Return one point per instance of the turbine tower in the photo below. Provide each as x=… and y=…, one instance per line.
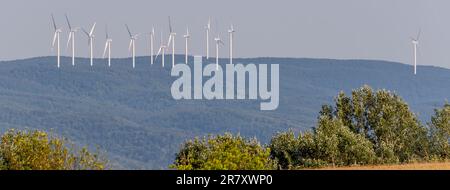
x=71, y=39
x=218, y=42
x=415, y=42
x=172, y=35
x=208, y=29
x=56, y=36
x=162, y=49
x=186, y=37
x=107, y=47
x=132, y=46
x=91, y=36
x=230, y=32
x=152, y=39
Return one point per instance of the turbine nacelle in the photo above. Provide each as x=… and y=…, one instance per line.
x=231, y=30
x=187, y=35
x=218, y=41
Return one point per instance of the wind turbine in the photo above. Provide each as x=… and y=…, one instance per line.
x=186, y=37
x=91, y=36
x=415, y=42
x=218, y=42
x=230, y=32
x=71, y=37
x=172, y=35
x=132, y=46
x=108, y=47
x=208, y=29
x=162, y=49
x=152, y=39
x=56, y=40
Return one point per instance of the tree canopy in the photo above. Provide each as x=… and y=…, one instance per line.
x=37, y=150
x=223, y=152
x=367, y=127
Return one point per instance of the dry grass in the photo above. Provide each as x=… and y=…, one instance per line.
x=413, y=166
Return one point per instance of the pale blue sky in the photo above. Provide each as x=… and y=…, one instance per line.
x=344, y=29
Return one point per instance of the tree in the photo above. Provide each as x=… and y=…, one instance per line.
x=284, y=148
x=440, y=132
x=385, y=119
x=226, y=152
x=37, y=150
x=331, y=143
x=338, y=145
x=366, y=128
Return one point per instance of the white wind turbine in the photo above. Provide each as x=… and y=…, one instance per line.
x=162, y=49
x=56, y=40
x=186, y=37
x=230, y=32
x=218, y=42
x=107, y=47
x=172, y=35
x=71, y=39
x=415, y=42
x=152, y=39
x=91, y=36
x=208, y=29
x=132, y=46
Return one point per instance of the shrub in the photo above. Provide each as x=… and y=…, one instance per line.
x=440, y=132
x=37, y=150
x=225, y=152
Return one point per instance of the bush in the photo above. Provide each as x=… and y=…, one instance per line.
x=338, y=145
x=440, y=132
x=225, y=152
x=370, y=127
x=386, y=120
x=36, y=150
x=367, y=128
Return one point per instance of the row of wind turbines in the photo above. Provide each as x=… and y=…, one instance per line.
x=132, y=45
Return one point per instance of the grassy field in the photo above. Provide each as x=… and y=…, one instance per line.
x=413, y=166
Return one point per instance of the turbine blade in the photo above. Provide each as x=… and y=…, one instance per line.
x=131, y=44
x=54, y=38
x=418, y=35
x=68, y=22
x=170, y=26
x=107, y=36
x=128, y=29
x=170, y=40
x=209, y=23
x=54, y=23
x=106, y=48
x=87, y=34
x=68, y=40
x=159, y=51
x=92, y=29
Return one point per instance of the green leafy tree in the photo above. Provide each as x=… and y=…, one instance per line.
x=440, y=132
x=226, y=152
x=368, y=127
x=284, y=148
x=292, y=152
x=338, y=145
x=37, y=150
x=385, y=119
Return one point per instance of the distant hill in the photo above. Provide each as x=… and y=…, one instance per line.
x=131, y=114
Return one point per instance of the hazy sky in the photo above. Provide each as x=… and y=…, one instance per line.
x=344, y=29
